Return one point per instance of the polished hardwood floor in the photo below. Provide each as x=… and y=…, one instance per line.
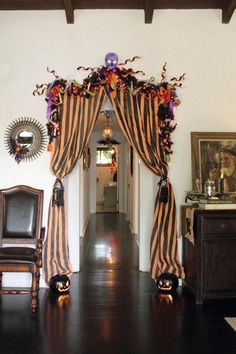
x=113, y=308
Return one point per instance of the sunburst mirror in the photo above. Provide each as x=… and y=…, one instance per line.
x=25, y=139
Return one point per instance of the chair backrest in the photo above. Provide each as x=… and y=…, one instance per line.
x=20, y=214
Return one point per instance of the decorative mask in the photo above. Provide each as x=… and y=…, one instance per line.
x=60, y=284
x=167, y=282
x=111, y=60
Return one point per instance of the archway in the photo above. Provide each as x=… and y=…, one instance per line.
x=144, y=111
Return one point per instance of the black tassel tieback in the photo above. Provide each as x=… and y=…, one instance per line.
x=58, y=193
x=164, y=190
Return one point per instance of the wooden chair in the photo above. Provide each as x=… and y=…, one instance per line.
x=21, y=236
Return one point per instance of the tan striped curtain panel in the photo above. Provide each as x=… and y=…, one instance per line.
x=77, y=116
x=138, y=119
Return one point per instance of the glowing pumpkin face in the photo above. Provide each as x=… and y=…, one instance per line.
x=60, y=284
x=167, y=282
x=111, y=60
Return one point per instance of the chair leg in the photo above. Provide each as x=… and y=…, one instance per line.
x=35, y=290
x=0, y=280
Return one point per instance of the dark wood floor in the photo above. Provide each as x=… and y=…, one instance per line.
x=113, y=308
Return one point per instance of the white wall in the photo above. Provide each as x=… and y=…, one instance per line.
x=93, y=180
x=74, y=207
x=128, y=203
x=135, y=196
x=147, y=187
x=121, y=172
x=132, y=191
x=84, y=197
x=194, y=42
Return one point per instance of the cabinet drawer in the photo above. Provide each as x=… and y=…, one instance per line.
x=218, y=266
x=211, y=263
x=219, y=226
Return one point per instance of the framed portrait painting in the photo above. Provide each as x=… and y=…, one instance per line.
x=214, y=158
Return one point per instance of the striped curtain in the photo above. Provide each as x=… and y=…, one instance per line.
x=138, y=119
x=77, y=116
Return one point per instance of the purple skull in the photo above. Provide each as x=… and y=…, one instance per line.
x=111, y=60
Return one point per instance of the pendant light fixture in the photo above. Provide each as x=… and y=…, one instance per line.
x=107, y=131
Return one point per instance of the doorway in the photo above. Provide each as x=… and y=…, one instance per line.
x=101, y=188
x=106, y=179
x=107, y=168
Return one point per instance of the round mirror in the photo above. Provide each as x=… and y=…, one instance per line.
x=25, y=139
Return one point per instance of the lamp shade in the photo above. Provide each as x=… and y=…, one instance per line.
x=107, y=131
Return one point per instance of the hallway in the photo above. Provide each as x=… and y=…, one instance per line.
x=113, y=308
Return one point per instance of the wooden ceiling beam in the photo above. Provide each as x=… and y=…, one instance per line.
x=69, y=10
x=148, y=10
x=148, y=6
x=228, y=10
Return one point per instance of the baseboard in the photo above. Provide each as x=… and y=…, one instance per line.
x=85, y=226
x=136, y=238
x=130, y=227
x=144, y=267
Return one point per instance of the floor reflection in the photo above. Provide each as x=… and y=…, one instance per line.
x=57, y=310
x=103, y=251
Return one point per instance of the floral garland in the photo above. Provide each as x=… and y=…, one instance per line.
x=115, y=77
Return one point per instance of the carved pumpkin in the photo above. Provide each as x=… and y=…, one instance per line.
x=167, y=283
x=60, y=284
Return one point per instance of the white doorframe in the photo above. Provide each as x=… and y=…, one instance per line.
x=146, y=186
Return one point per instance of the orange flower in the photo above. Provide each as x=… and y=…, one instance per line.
x=55, y=90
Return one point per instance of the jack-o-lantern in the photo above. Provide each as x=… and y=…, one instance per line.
x=60, y=284
x=167, y=283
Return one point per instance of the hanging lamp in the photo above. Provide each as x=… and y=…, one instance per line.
x=107, y=131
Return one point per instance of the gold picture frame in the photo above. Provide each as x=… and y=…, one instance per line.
x=214, y=158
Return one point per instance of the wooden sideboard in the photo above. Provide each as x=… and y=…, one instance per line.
x=210, y=263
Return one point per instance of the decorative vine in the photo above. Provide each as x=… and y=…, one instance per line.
x=115, y=77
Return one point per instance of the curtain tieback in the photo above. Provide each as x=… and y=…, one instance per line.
x=58, y=193
x=163, y=189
